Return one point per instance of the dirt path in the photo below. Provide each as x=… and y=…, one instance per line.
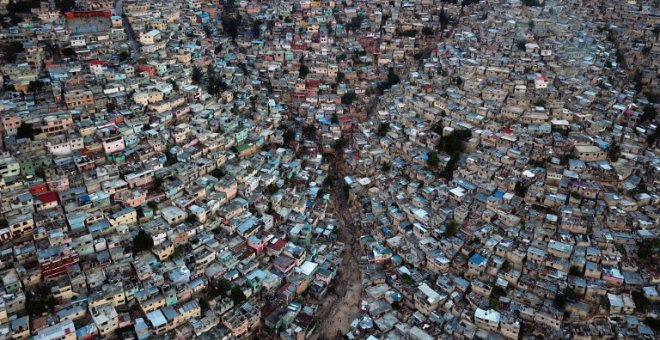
x=337, y=312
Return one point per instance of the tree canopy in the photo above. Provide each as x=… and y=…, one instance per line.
x=303, y=70
x=432, y=158
x=65, y=5
x=197, y=75
x=289, y=136
x=237, y=295
x=648, y=114
x=348, y=98
x=142, y=241
x=25, y=130
x=256, y=28
x=11, y=50
x=383, y=128
x=392, y=79
x=230, y=25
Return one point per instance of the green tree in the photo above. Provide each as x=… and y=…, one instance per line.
x=383, y=128
x=340, y=144
x=453, y=143
x=468, y=2
x=329, y=181
x=521, y=189
x=256, y=28
x=170, y=159
x=450, y=229
x=497, y=292
x=392, y=77
x=197, y=75
x=569, y=293
x=230, y=25
x=303, y=71
x=207, y=30
x=223, y=286
x=272, y=188
x=218, y=173
x=408, y=33
x=560, y=300
x=237, y=295
x=309, y=131
x=51, y=302
x=432, y=158
x=11, y=50
x=648, y=114
x=340, y=77
x=575, y=271
x=217, y=288
x=216, y=85
x=407, y=279
x=648, y=248
x=25, y=130
x=175, y=86
x=614, y=152
x=35, y=86
x=191, y=219
x=653, y=323
x=642, y=303
x=444, y=18
x=620, y=58
x=438, y=127
x=348, y=98
x=356, y=22
x=65, y=5
x=288, y=137
x=142, y=241
x=493, y=303
x=34, y=305
x=534, y=3
x=69, y=52
x=448, y=171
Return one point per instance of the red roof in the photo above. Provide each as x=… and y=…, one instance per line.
x=38, y=188
x=96, y=62
x=48, y=197
x=312, y=83
x=344, y=119
x=277, y=245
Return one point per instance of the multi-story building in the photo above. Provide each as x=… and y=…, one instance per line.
x=55, y=260
x=242, y=319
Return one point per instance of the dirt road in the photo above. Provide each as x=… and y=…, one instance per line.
x=337, y=312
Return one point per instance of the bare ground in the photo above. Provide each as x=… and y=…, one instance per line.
x=337, y=311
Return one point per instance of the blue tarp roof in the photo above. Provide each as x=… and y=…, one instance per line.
x=477, y=259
